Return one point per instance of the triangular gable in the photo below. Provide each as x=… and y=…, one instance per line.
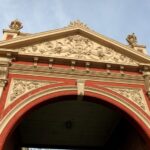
x=76, y=47
x=76, y=43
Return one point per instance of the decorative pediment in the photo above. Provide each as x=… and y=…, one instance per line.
x=77, y=47
x=76, y=41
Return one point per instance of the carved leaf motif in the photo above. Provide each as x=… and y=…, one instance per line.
x=20, y=87
x=132, y=94
x=77, y=47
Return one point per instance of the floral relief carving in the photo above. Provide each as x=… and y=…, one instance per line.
x=134, y=95
x=77, y=47
x=20, y=87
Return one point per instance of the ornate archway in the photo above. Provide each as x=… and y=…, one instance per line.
x=11, y=119
x=72, y=61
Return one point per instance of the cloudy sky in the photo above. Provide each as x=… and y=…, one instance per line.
x=113, y=18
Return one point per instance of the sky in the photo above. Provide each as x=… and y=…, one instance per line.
x=112, y=18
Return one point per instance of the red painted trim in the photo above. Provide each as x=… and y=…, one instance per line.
x=83, y=68
x=102, y=83
x=40, y=78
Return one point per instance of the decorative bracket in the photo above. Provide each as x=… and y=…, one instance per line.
x=51, y=60
x=108, y=66
x=35, y=61
x=73, y=62
x=122, y=70
x=87, y=64
x=80, y=87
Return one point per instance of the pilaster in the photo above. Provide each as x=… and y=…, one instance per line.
x=4, y=68
x=146, y=75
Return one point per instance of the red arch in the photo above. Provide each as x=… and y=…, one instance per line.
x=12, y=122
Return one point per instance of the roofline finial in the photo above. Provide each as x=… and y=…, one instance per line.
x=78, y=23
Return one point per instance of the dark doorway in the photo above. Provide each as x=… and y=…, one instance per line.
x=70, y=123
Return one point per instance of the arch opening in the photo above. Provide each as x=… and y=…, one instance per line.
x=66, y=122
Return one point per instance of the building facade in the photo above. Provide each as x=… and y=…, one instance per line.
x=77, y=68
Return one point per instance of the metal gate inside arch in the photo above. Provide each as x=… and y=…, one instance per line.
x=74, y=89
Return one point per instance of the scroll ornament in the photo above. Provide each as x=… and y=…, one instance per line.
x=132, y=94
x=21, y=87
x=77, y=47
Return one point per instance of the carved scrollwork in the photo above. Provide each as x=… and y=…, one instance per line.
x=132, y=94
x=20, y=87
x=77, y=47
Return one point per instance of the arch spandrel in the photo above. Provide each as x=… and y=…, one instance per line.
x=20, y=87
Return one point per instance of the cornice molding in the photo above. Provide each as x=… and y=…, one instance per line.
x=76, y=74
x=54, y=34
